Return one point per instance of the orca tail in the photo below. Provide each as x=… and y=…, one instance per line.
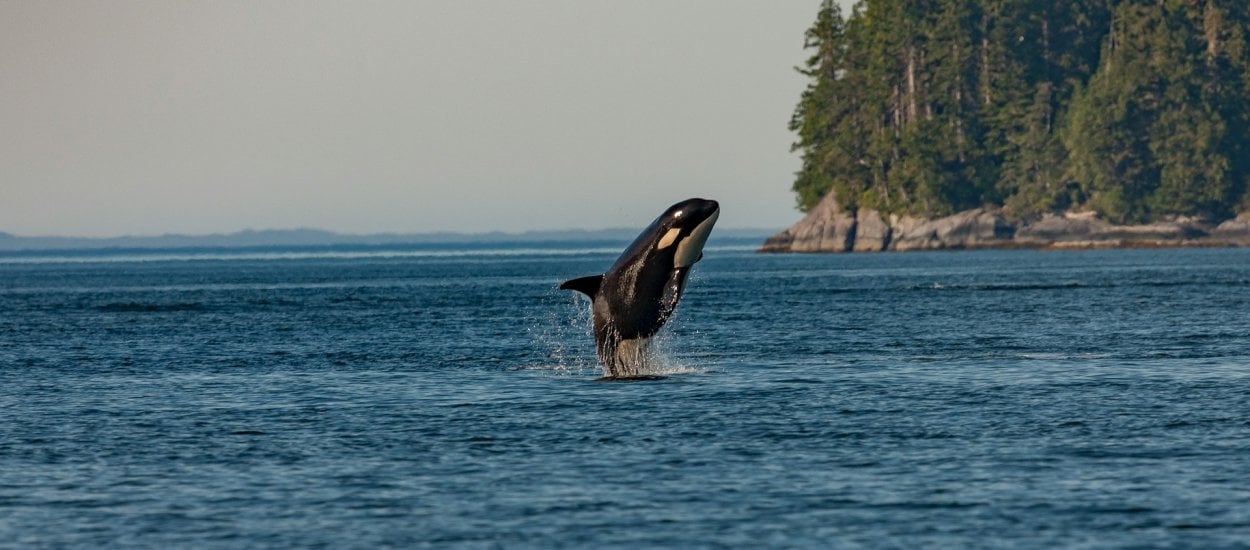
x=586, y=285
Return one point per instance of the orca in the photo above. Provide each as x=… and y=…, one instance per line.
x=634, y=298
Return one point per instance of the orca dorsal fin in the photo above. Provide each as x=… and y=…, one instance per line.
x=586, y=285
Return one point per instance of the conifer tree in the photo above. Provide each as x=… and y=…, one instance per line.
x=816, y=117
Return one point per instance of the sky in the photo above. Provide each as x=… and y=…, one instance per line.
x=154, y=117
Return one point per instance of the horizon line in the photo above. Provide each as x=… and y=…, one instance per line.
x=334, y=233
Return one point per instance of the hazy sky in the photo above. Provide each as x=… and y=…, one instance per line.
x=465, y=115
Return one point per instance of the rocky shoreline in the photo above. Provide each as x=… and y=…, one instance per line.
x=829, y=228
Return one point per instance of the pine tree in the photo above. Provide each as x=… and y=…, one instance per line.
x=1225, y=24
x=811, y=117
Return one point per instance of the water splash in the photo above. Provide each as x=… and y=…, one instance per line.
x=664, y=359
x=562, y=330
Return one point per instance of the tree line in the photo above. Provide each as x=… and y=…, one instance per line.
x=1137, y=109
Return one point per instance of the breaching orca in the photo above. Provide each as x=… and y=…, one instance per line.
x=640, y=291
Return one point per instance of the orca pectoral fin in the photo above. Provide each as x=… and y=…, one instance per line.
x=672, y=292
x=586, y=285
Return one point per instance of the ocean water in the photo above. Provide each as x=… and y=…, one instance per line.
x=451, y=398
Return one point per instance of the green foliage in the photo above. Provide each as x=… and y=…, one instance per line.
x=1137, y=109
x=817, y=117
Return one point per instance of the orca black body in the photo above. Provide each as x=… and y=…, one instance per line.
x=633, y=299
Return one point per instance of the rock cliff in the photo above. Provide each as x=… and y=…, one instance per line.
x=830, y=228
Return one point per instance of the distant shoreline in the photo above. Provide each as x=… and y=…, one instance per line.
x=313, y=239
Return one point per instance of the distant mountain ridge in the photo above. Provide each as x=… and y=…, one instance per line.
x=304, y=237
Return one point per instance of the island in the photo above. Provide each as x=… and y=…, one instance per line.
x=994, y=124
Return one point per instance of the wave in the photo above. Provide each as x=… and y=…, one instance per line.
x=140, y=307
x=1009, y=287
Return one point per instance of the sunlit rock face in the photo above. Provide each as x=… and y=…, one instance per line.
x=830, y=228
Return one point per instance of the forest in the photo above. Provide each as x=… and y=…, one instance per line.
x=1136, y=109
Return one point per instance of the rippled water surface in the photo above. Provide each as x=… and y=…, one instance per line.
x=1012, y=398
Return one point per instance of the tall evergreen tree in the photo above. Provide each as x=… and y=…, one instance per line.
x=818, y=115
